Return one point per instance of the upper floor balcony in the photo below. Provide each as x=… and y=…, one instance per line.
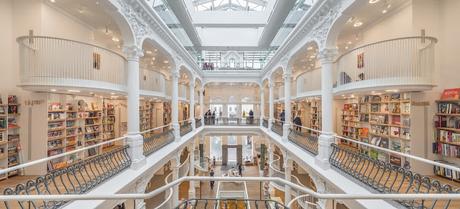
x=49, y=61
x=402, y=63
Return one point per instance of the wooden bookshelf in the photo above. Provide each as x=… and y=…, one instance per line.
x=447, y=128
x=381, y=120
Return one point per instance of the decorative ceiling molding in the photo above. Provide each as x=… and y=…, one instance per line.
x=145, y=21
x=315, y=25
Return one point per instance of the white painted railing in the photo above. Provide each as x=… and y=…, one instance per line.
x=309, y=83
x=184, y=167
x=152, y=81
x=397, y=62
x=168, y=195
x=49, y=61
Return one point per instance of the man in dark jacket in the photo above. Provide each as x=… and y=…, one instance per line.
x=298, y=122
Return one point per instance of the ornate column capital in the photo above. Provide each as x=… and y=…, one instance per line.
x=133, y=53
x=328, y=55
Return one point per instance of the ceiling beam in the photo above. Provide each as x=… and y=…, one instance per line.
x=181, y=12
x=275, y=21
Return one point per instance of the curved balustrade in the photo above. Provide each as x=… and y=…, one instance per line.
x=168, y=195
x=157, y=138
x=185, y=127
x=275, y=171
x=304, y=137
x=277, y=127
x=265, y=123
x=309, y=83
x=391, y=63
x=198, y=122
x=230, y=203
x=78, y=178
x=384, y=177
x=152, y=82
x=202, y=164
x=184, y=167
x=47, y=61
x=225, y=121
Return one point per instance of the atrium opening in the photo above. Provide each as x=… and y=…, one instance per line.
x=222, y=104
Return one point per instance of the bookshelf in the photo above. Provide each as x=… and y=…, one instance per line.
x=108, y=124
x=14, y=145
x=447, y=128
x=381, y=120
x=145, y=115
x=315, y=114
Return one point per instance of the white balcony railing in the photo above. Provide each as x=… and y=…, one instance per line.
x=49, y=61
x=152, y=81
x=309, y=83
x=401, y=62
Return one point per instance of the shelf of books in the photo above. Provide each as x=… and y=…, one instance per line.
x=10, y=147
x=447, y=131
x=72, y=125
x=108, y=124
x=381, y=120
x=315, y=114
x=145, y=115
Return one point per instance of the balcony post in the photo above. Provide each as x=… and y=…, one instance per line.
x=271, y=110
x=134, y=139
x=262, y=105
x=326, y=57
x=287, y=102
x=175, y=103
x=191, y=191
x=271, y=149
x=192, y=102
x=202, y=105
x=287, y=176
x=175, y=175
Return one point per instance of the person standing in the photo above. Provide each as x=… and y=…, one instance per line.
x=282, y=117
x=298, y=123
x=211, y=183
x=251, y=117
x=240, y=169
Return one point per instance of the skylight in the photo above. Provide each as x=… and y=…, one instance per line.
x=229, y=5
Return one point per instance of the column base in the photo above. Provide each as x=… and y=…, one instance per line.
x=136, y=150
x=176, y=131
x=324, y=151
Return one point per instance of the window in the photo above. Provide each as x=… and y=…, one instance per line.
x=216, y=148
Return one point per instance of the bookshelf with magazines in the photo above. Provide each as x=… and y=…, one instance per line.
x=447, y=132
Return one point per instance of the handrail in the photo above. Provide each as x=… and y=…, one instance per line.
x=154, y=129
x=433, y=39
x=46, y=159
x=310, y=129
x=21, y=38
x=401, y=154
x=171, y=191
x=298, y=198
x=339, y=196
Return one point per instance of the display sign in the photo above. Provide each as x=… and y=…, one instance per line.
x=451, y=94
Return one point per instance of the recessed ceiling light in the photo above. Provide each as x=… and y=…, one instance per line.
x=392, y=90
x=74, y=91
x=151, y=62
x=113, y=93
x=53, y=90
x=97, y=2
x=349, y=42
x=153, y=58
x=357, y=24
x=148, y=52
x=388, y=6
x=53, y=1
x=310, y=48
x=373, y=1
x=312, y=56
x=166, y=61
x=384, y=11
x=155, y=50
x=346, y=47
x=115, y=39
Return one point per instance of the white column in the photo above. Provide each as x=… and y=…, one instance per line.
x=270, y=151
x=192, y=102
x=262, y=104
x=191, y=191
x=326, y=58
x=202, y=105
x=134, y=139
x=271, y=107
x=287, y=176
x=287, y=103
x=175, y=103
x=175, y=175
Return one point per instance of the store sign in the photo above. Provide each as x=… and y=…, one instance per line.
x=33, y=102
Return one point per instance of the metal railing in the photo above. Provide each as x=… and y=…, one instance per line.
x=56, y=61
x=304, y=137
x=230, y=203
x=277, y=127
x=265, y=123
x=75, y=179
x=385, y=177
x=224, y=121
x=185, y=127
x=198, y=122
x=157, y=138
x=408, y=61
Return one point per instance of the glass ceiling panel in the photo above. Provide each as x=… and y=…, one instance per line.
x=229, y=5
x=167, y=15
x=300, y=8
x=228, y=60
